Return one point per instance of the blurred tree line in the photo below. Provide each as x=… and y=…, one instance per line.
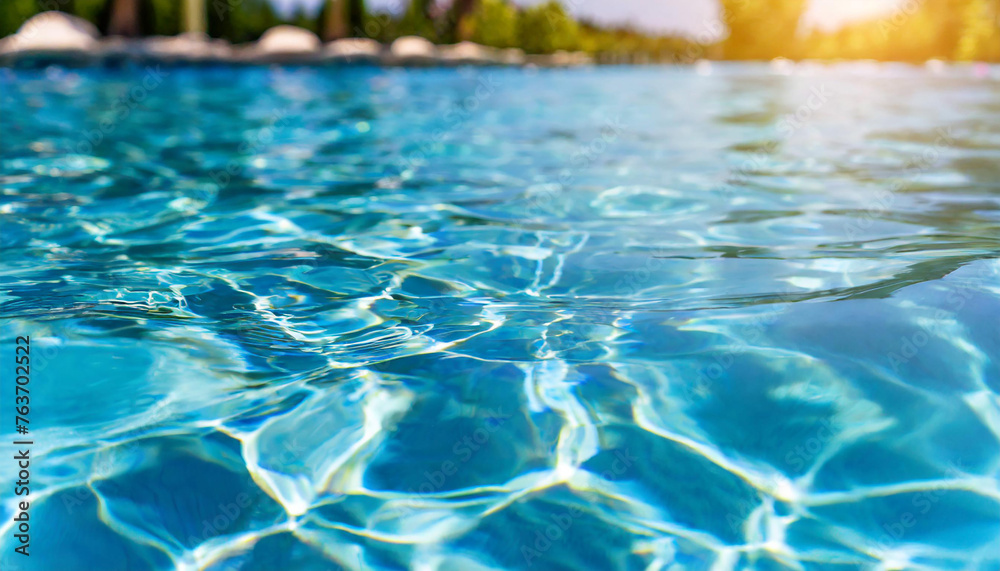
x=963, y=30
x=235, y=20
x=917, y=30
x=757, y=29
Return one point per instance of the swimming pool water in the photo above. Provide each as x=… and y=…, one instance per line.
x=692, y=318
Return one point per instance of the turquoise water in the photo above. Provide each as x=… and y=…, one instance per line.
x=730, y=317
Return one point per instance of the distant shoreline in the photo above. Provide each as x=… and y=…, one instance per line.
x=60, y=38
x=137, y=55
x=138, y=52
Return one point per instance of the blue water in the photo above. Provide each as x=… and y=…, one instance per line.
x=698, y=318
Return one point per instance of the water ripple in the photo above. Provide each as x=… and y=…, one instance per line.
x=608, y=319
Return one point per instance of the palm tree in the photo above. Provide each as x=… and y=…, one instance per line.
x=124, y=20
x=336, y=20
x=461, y=15
x=194, y=16
x=342, y=19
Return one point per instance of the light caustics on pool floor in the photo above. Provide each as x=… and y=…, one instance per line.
x=606, y=319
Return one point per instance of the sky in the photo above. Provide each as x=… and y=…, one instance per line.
x=692, y=18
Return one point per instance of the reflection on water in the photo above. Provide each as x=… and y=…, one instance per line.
x=608, y=319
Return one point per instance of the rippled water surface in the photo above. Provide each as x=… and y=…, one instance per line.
x=471, y=319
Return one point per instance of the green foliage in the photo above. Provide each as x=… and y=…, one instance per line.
x=93, y=11
x=546, y=28
x=304, y=20
x=14, y=13
x=417, y=21
x=494, y=23
x=240, y=20
x=626, y=45
x=381, y=26
x=161, y=17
